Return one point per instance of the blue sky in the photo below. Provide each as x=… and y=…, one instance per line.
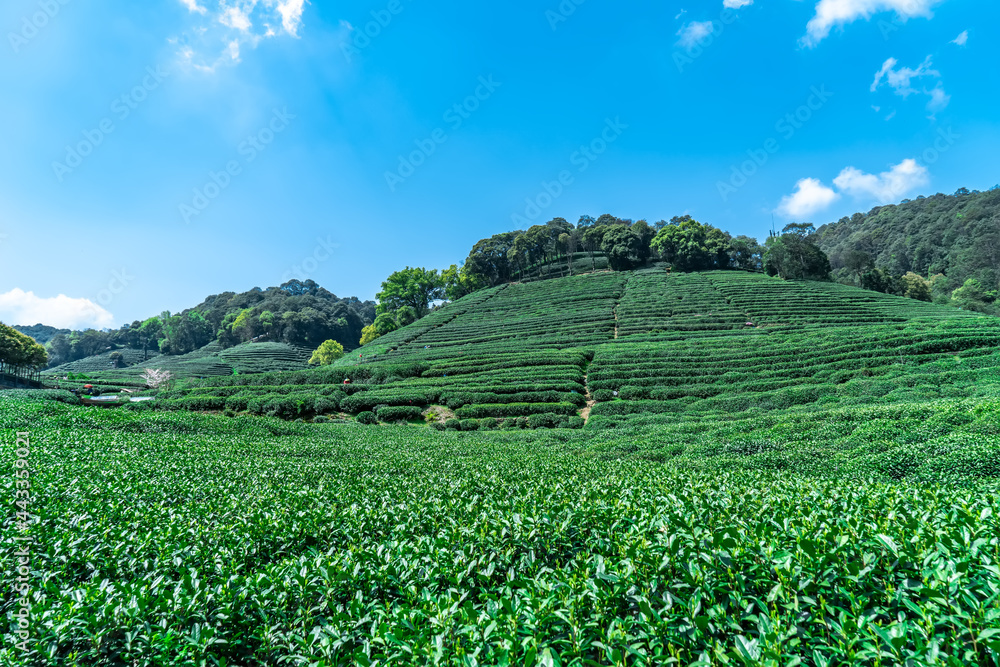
x=157, y=152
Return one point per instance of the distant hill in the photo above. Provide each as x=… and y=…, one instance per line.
x=40, y=332
x=111, y=371
x=299, y=314
x=955, y=235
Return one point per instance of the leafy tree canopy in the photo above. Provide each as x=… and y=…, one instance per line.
x=327, y=353
x=414, y=287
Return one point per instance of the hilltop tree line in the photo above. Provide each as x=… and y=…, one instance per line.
x=297, y=312
x=19, y=352
x=683, y=244
x=943, y=248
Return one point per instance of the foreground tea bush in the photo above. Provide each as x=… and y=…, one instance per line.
x=185, y=539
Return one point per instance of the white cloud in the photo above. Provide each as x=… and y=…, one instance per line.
x=736, y=4
x=887, y=187
x=193, y=6
x=901, y=81
x=939, y=99
x=691, y=34
x=237, y=18
x=291, y=15
x=234, y=24
x=810, y=197
x=830, y=13
x=25, y=308
x=962, y=39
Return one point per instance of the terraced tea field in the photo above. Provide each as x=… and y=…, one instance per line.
x=609, y=348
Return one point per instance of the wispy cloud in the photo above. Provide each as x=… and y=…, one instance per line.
x=234, y=24
x=901, y=79
x=736, y=4
x=831, y=13
x=693, y=33
x=193, y=6
x=962, y=39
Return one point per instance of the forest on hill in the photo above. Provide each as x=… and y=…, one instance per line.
x=299, y=313
x=951, y=242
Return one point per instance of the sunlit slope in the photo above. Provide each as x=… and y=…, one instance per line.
x=652, y=346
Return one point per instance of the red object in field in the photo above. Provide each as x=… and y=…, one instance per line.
x=88, y=386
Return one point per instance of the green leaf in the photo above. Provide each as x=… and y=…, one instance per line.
x=748, y=649
x=888, y=543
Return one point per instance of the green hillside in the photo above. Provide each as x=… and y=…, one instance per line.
x=211, y=360
x=612, y=349
x=956, y=237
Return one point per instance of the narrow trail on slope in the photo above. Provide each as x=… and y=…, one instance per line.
x=584, y=412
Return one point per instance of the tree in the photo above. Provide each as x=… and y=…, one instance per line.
x=800, y=229
x=915, y=287
x=406, y=315
x=368, y=334
x=567, y=243
x=857, y=262
x=458, y=282
x=878, y=280
x=592, y=239
x=19, y=353
x=266, y=321
x=645, y=233
x=156, y=378
x=383, y=324
x=414, y=287
x=746, y=253
x=793, y=256
x=489, y=261
x=972, y=296
x=327, y=353
x=151, y=331
x=689, y=245
x=622, y=246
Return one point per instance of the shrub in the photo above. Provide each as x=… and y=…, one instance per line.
x=320, y=420
x=453, y=425
x=514, y=409
x=544, y=420
x=401, y=413
x=470, y=424
x=324, y=404
x=367, y=418
x=602, y=395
